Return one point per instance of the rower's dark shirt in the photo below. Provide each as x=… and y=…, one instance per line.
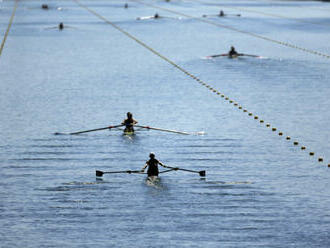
x=232, y=52
x=152, y=167
x=128, y=123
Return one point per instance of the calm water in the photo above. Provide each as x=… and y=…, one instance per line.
x=260, y=189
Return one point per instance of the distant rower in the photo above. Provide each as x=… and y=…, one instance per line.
x=60, y=26
x=232, y=53
x=221, y=13
x=156, y=16
x=44, y=6
x=129, y=123
x=152, y=165
x=126, y=6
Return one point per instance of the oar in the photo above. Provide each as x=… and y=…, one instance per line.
x=217, y=55
x=201, y=173
x=91, y=130
x=234, y=15
x=100, y=173
x=164, y=130
x=249, y=55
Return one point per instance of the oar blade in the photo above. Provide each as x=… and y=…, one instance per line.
x=99, y=173
x=57, y=133
x=202, y=173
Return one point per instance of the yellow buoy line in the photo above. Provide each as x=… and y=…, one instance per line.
x=237, y=30
x=267, y=14
x=198, y=80
x=8, y=28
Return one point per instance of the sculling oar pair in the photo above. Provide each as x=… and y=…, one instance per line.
x=100, y=173
x=239, y=54
x=146, y=127
x=239, y=15
x=91, y=130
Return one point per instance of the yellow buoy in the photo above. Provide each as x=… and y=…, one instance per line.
x=280, y=133
x=274, y=129
x=295, y=143
x=311, y=153
x=320, y=159
x=256, y=117
x=303, y=148
x=288, y=137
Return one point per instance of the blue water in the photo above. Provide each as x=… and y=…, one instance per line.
x=260, y=190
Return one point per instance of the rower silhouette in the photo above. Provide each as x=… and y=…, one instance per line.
x=44, y=6
x=129, y=123
x=232, y=53
x=60, y=26
x=152, y=165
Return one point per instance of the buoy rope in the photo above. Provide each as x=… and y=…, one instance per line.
x=236, y=30
x=8, y=28
x=201, y=82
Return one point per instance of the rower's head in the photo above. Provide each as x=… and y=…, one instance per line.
x=221, y=13
x=129, y=115
x=61, y=26
x=152, y=155
x=156, y=15
x=232, y=48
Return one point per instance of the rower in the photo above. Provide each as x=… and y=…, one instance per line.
x=129, y=122
x=60, y=26
x=126, y=6
x=44, y=6
x=152, y=165
x=156, y=16
x=232, y=52
x=221, y=13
